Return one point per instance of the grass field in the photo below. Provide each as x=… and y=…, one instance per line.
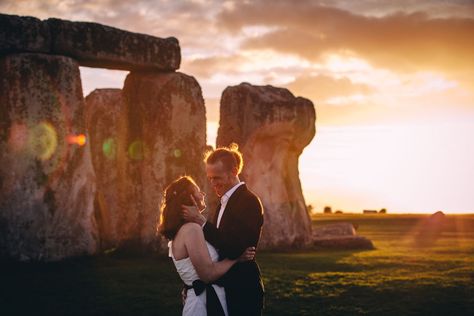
x=400, y=277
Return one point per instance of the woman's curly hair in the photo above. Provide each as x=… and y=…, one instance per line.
x=176, y=194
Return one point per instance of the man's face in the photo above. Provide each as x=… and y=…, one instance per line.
x=221, y=180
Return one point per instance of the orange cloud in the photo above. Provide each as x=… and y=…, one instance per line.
x=321, y=87
x=398, y=41
x=207, y=66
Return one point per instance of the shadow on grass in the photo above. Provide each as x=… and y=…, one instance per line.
x=394, y=279
x=103, y=285
x=118, y=284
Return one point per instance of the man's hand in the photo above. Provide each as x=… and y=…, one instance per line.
x=247, y=255
x=184, y=295
x=192, y=213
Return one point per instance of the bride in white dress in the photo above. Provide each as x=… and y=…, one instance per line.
x=195, y=259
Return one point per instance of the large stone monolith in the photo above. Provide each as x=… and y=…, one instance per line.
x=46, y=177
x=271, y=127
x=106, y=122
x=166, y=138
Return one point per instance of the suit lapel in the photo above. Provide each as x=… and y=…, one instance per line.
x=229, y=208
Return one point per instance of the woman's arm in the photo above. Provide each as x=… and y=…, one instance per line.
x=196, y=247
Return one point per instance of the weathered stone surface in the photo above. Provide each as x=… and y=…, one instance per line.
x=106, y=123
x=339, y=236
x=334, y=230
x=271, y=127
x=166, y=138
x=23, y=34
x=97, y=45
x=92, y=44
x=46, y=181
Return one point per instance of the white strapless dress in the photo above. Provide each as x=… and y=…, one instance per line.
x=196, y=305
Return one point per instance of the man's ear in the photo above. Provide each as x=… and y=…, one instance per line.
x=235, y=171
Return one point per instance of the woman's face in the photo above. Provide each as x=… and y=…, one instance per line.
x=199, y=198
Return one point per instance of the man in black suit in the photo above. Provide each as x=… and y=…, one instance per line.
x=235, y=226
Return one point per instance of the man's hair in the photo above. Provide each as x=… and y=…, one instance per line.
x=230, y=157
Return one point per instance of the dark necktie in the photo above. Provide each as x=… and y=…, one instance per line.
x=216, y=214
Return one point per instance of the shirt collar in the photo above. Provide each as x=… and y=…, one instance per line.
x=229, y=193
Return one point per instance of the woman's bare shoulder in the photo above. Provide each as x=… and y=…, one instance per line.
x=187, y=234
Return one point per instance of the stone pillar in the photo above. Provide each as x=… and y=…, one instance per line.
x=272, y=128
x=166, y=138
x=106, y=123
x=46, y=176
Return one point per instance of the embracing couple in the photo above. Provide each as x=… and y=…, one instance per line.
x=215, y=257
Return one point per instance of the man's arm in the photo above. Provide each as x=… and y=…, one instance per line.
x=242, y=229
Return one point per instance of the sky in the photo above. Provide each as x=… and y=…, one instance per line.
x=392, y=83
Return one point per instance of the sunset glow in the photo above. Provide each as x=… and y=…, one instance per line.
x=392, y=84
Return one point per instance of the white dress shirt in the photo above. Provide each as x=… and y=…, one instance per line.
x=224, y=199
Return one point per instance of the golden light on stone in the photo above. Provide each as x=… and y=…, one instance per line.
x=43, y=141
x=77, y=139
x=109, y=148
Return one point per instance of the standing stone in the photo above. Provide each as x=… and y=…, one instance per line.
x=97, y=45
x=106, y=123
x=166, y=139
x=23, y=34
x=272, y=128
x=46, y=178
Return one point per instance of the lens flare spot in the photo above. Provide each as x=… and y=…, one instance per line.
x=177, y=153
x=77, y=139
x=43, y=141
x=109, y=148
x=136, y=150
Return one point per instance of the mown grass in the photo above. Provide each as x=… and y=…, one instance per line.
x=399, y=277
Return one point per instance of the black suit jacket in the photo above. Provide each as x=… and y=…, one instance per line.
x=240, y=228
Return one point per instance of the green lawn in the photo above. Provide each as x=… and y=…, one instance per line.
x=399, y=277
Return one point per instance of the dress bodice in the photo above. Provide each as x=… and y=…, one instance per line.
x=184, y=266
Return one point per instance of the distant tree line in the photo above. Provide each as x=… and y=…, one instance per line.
x=328, y=210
